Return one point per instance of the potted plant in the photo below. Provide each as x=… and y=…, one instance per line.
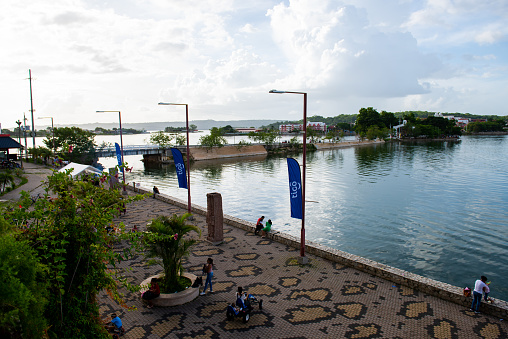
x=167, y=244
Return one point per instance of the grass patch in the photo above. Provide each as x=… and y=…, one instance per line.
x=183, y=284
x=294, y=262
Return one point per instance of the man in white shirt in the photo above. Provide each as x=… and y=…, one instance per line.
x=480, y=287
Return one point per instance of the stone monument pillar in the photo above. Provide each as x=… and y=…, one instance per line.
x=214, y=218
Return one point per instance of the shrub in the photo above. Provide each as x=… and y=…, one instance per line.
x=166, y=240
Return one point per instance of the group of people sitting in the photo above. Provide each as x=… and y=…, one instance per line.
x=264, y=229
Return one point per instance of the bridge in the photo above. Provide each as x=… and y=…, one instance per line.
x=128, y=150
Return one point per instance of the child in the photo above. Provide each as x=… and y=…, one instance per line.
x=486, y=295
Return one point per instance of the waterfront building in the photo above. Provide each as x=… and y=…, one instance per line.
x=317, y=126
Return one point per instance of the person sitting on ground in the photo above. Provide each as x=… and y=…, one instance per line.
x=267, y=228
x=155, y=191
x=259, y=225
x=152, y=293
x=241, y=294
x=115, y=325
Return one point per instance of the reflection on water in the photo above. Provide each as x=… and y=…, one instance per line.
x=436, y=209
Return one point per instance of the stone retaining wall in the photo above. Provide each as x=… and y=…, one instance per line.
x=207, y=153
x=432, y=287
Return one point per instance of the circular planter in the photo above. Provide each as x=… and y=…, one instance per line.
x=173, y=299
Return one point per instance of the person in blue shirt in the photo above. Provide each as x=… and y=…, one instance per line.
x=115, y=325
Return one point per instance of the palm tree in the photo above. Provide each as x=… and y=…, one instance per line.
x=166, y=240
x=5, y=177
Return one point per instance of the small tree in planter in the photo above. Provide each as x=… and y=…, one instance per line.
x=166, y=241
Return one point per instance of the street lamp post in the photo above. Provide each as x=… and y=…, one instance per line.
x=19, y=138
x=188, y=152
x=302, y=259
x=121, y=145
x=24, y=134
x=52, y=131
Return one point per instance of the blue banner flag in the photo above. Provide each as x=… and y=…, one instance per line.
x=118, y=154
x=180, y=167
x=295, y=188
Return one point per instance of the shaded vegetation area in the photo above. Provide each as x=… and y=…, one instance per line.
x=56, y=256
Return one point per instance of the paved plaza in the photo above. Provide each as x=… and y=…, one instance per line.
x=319, y=300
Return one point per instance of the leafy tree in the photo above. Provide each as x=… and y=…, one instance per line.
x=368, y=117
x=372, y=132
x=171, y=129
x=388, y=119
x=193, y=127
x=294, y=141
x=334, y=136
x=227, y=129
x=215, y=138
x=180, y=140
x=23, y=292
x=166, y=240
x=162, y=139
x=68, y=234
x=488, y=126
x=268, y=138
x=312, y=135
x=73, y=144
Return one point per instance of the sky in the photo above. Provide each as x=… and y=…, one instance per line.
x=222, y=57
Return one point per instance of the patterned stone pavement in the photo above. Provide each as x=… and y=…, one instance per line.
x=319, y=300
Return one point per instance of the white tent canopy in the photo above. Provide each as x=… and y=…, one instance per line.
x=78, y=169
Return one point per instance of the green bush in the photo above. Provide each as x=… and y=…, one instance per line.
x=23, y=290
x=68, y=237
x=166, y=240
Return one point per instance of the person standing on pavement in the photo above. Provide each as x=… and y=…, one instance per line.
x=208, y=270
x=480, y=287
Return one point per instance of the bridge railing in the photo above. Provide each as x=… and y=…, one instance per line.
x=128, y=148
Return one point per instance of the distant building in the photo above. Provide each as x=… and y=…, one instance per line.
x=462, y=121
x=317, y=126
x=290, y=128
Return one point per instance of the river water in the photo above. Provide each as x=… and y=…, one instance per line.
x=436, y=209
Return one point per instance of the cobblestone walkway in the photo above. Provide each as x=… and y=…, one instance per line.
x=320, y=300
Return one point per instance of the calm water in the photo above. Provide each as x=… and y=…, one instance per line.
x=436, y=209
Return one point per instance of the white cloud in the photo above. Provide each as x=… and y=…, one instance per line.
x=223, y=56
x=336, y=51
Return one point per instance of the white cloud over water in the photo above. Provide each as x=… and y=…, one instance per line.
x=222, y=57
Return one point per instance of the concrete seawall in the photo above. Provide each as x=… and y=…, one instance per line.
x=432, y=287
x=207, y=153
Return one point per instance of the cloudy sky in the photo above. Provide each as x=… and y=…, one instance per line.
x=223, y=56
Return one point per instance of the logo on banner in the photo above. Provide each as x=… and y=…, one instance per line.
x=118, y=154
x=295, y=188
x=180, y=167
